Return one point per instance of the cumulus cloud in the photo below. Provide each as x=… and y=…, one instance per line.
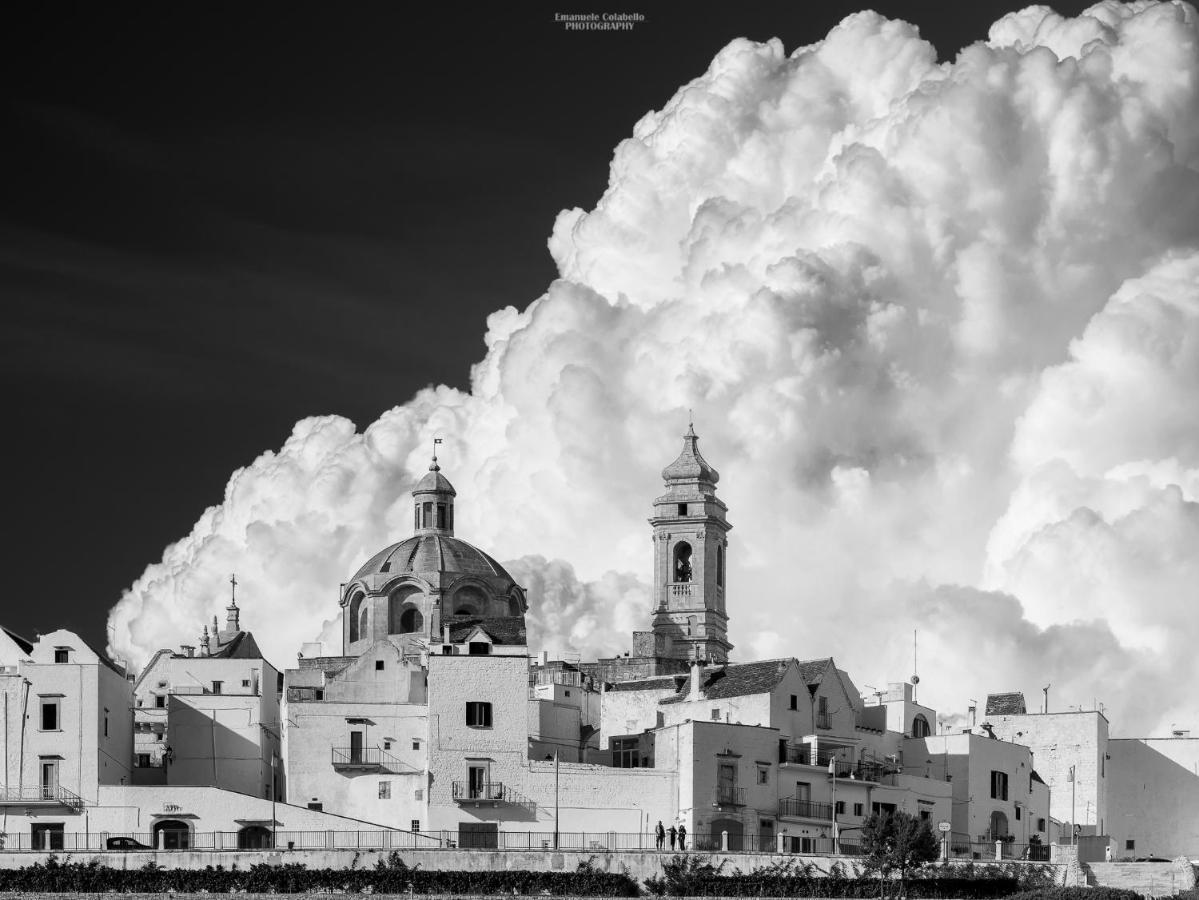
x=938, y=323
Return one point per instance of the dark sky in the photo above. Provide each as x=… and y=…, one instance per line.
x=217, y=219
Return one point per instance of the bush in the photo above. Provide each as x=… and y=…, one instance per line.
x=1077, y=893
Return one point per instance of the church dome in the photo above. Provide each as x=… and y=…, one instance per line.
x=434, y=482
x=431, y=553
x=690, y=465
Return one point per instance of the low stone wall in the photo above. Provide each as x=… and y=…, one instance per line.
x=639, y=864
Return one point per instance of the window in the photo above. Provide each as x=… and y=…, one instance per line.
x=160, y=701
x=822, y=719
x=716, y=715
x=998, y=785
x=427, y=513
x=1130, y=844
x=441, y=515
x=479, y=648
x=316, y=805
x=920, y=727
x=384, y=790
x=795, y=701
x=478, y=715
x=387, y=745
x=378, y=665
x=926, y=815
x=217, y=686
x=682, y=562
x=720, y=566
x=566, y=693
x=625, y=753
x=143, y=760
x=419, y=794
x=886, y=809
x=106, y=723
x=1040, y=824
x=763, y=775
x=62, y=654
x=245, y=682
x=1017, y=813
x=416, y=519
x=415, y=825
x=682, y=509
x=50, y=715
x=319, y=694
x=857, y=809
x=416, y=745
x=840, y=807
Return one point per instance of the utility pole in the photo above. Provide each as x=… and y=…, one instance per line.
x=555, y=799
x=1073, y=812
x=832, y=771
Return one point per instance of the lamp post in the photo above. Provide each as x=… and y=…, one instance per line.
x=274, y=797
x=832, y=771
x=1073, y=812
x=555, y=799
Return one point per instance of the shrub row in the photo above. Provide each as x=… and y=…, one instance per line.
x=1077, y=893
x=757, y=886
x=390, y=876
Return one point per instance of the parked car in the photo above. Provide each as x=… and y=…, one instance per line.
x=126, y=843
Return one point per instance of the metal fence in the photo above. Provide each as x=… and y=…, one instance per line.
x=262, y=838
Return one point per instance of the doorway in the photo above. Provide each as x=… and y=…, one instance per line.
x=175, y=834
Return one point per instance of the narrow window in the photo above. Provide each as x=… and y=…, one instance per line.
x=428, y=515
x=441, y=515
x=1040, y=824
x=1017, y=814
x=416, y=517
x=857, y=809
x=840, y=807
x=62, y=654
x=319, y=694
x=763, y=775
x=822, y=718
x=449, y=517
x=720, y=566
x=160, y=702
x=49, y=715
x=384, y=790
x=415, y=825
x=998, y=785
x=218, y=686
x=682, y=509
x=478, y=714
x=106, y=723
x=143, y=760
x=416, y=745
x=795, y=701
x=682, y=562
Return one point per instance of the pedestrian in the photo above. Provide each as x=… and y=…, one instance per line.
x=660, y=832
x=682, y=837
x=1107, y=853
x=674, y=833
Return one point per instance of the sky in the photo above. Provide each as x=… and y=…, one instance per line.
x=929, y=289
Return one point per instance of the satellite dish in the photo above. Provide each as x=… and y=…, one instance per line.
x=915, y=679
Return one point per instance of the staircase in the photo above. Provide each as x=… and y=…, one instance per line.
x=1149, y=879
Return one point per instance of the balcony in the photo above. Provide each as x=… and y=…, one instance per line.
x=729, y=795
x=806, y=809
x=41, y=797
x=492, y=792
x=365, y=759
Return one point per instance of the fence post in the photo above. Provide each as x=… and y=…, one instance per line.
x=724, y=841
x=999, y=850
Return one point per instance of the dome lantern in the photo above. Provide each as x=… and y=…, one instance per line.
x=433, y=501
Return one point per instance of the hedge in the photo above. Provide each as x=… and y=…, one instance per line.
x=390, y=876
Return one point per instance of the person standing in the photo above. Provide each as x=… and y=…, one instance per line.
x=660, y=832
x=682, y=837
x=674, y=833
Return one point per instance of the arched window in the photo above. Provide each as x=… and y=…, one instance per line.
x=682, y=561
x=470, y=601
x=357, y=615
x=416, y=519
x=720, y=566
x=514, y=605
x=427, y=517
x=364, y=629
x=396, y=604
x=920, y=727
x=411, y=621
x=254, y=837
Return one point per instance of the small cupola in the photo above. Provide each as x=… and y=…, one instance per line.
x=691, y=471
x=433, y=501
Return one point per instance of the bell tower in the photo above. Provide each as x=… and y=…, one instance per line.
x=690, y=540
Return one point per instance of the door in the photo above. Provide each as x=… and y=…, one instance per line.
x=49, y=779
x=47, y=836
x=766, y=836
x=356, y=747
x=726, y=784
x=479, y=835
x=477, y=782
x=175, y=835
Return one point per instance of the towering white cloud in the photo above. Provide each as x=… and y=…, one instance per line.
x=939, y=324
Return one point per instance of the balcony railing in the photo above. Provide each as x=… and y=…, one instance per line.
x=366, y=758
x=730, y=795
x=487, y=792
x=806, y=809
x=43, y=795
x=862, y=770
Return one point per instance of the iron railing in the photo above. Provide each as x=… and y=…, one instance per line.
x=806, y=809
x=40, y=795
x=491, y=791
x=365, y=758
x=730, y=795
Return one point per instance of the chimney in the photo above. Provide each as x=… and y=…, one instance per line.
x=696, y=691
x=972, y=711
x=545, y=657
x=187, y=650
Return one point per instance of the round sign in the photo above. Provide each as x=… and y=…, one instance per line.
x=943, y=826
